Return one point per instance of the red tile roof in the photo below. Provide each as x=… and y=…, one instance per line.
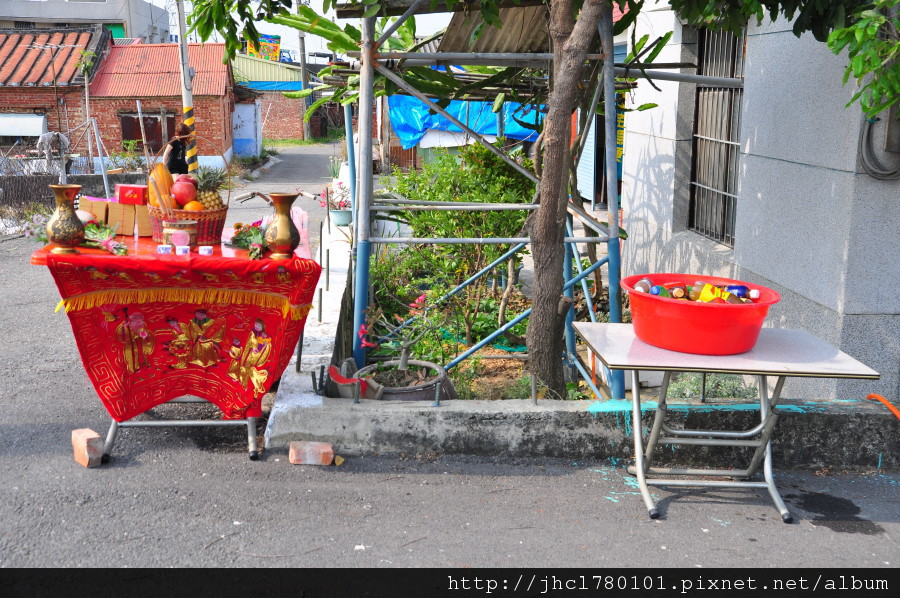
x=25, y=57
x=152, y=70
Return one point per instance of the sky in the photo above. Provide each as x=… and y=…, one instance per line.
x=425, y=24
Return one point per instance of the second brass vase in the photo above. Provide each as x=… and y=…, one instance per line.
x=282, y=237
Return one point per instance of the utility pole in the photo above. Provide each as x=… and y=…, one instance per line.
x=304, y=76
x=187, y=94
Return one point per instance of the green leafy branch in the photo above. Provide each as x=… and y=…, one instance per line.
x=873, y=46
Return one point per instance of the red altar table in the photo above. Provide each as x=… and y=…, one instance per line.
x=153, y=328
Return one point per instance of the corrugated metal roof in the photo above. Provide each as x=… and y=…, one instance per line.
x=30, y=58
x=248, y=68
x=152, y=70
x=524, y=30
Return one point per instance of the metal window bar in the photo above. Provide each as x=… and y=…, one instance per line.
x=714, y=179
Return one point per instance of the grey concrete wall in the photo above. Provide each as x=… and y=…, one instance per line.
x=140, y=16
x=809, y=223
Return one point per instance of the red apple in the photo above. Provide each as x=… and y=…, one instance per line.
x=184, y=192
x=187, y=178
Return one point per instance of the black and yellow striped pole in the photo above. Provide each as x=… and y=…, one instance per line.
x=187, y=94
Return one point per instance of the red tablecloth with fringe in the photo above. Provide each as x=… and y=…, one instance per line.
x=152, y=328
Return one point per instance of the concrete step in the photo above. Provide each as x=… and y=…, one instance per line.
x=809, y=434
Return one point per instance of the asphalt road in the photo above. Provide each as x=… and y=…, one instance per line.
x=190, y=497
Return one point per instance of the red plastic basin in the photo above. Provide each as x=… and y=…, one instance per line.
x=693, y=326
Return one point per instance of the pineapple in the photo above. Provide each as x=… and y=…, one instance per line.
x=209, y=180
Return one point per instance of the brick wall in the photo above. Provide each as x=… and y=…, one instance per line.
x=374, y=121
x=24, y=100
x=282, y=117
x=212, y=116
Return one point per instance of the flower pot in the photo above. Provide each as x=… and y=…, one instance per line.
x=420, y=392
x=341, y=217
x=65, y=229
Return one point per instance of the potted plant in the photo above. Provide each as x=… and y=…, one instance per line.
x=401, y=378
x=338, y=204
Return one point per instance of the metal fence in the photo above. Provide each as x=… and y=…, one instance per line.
x=26, y=170
x=717, y=128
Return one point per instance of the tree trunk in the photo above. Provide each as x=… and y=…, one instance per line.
x=571, y=41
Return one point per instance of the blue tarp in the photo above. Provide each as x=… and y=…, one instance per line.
x=410, y=119
x=275, y=85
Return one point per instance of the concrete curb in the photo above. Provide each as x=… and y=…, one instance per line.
x=269, y=164
x=847, y=434
x=810, y=434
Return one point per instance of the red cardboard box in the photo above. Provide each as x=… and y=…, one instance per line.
x=132, y=194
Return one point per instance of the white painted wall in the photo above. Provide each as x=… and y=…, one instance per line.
x=247, y=123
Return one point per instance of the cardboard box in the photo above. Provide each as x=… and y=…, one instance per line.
x=142, y=221
x=120, y=217
x=132, y=194
x=95, y=206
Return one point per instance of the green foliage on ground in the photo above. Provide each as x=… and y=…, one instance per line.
x=718, y=386
x=475, y=175
x=409, y=281
x=333, y=135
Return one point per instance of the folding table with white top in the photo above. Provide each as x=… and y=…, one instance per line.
x=778, y=352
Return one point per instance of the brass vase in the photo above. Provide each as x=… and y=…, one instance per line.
x=65, y=229
x=282, y=237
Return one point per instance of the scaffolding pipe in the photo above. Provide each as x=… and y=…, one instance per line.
x=570, y=293
x=365, y=188
x=584, y=285
x=100, y=153
x=412, y=10
x=459, y=204
x=539, y=59
x=587, y=378
x=590, y=222
x=472, y=241
x=617, y=378
x=487, y=340
x=478, y=208
x=433, y=106
x=351, y=155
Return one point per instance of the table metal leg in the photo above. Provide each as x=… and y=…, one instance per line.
x=110, y=441
x=250, y=423
x=299, y=353
x=659, y=419
x=765, y=405
x=761, y=441
x=251, y=438
x=637, y=433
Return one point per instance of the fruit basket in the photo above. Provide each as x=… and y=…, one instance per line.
x=206, y=207
x=694, y=326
